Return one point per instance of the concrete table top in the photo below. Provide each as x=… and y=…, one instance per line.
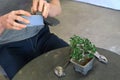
x=41, y=68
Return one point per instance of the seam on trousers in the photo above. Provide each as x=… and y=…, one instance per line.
x=45, y=43
x=32, y=45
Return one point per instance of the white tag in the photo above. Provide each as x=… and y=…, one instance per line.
x=101, y=57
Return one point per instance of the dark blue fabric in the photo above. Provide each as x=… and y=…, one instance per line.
x=13, y=56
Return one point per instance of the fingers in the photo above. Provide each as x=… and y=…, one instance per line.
x=35, y=6
x=46, y=9
x=9, y=21
x=21, y=12
x=17, y=26
x=14, y=25
x=15, y=16
x=19, y=18
x=41, y=6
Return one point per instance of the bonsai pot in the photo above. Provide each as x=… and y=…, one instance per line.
x=82, y=54
x=83, y=67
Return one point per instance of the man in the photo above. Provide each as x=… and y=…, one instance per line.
x=19, y=44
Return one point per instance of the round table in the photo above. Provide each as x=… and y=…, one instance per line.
x=42, y=67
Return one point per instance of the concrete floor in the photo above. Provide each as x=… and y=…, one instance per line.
x=100, y=25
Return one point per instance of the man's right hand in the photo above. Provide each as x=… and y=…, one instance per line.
x=8, y=21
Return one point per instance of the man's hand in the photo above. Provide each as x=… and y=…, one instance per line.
x=47, y=9
x=8, y=21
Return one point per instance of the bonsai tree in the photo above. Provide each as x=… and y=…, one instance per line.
x=81, y=49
